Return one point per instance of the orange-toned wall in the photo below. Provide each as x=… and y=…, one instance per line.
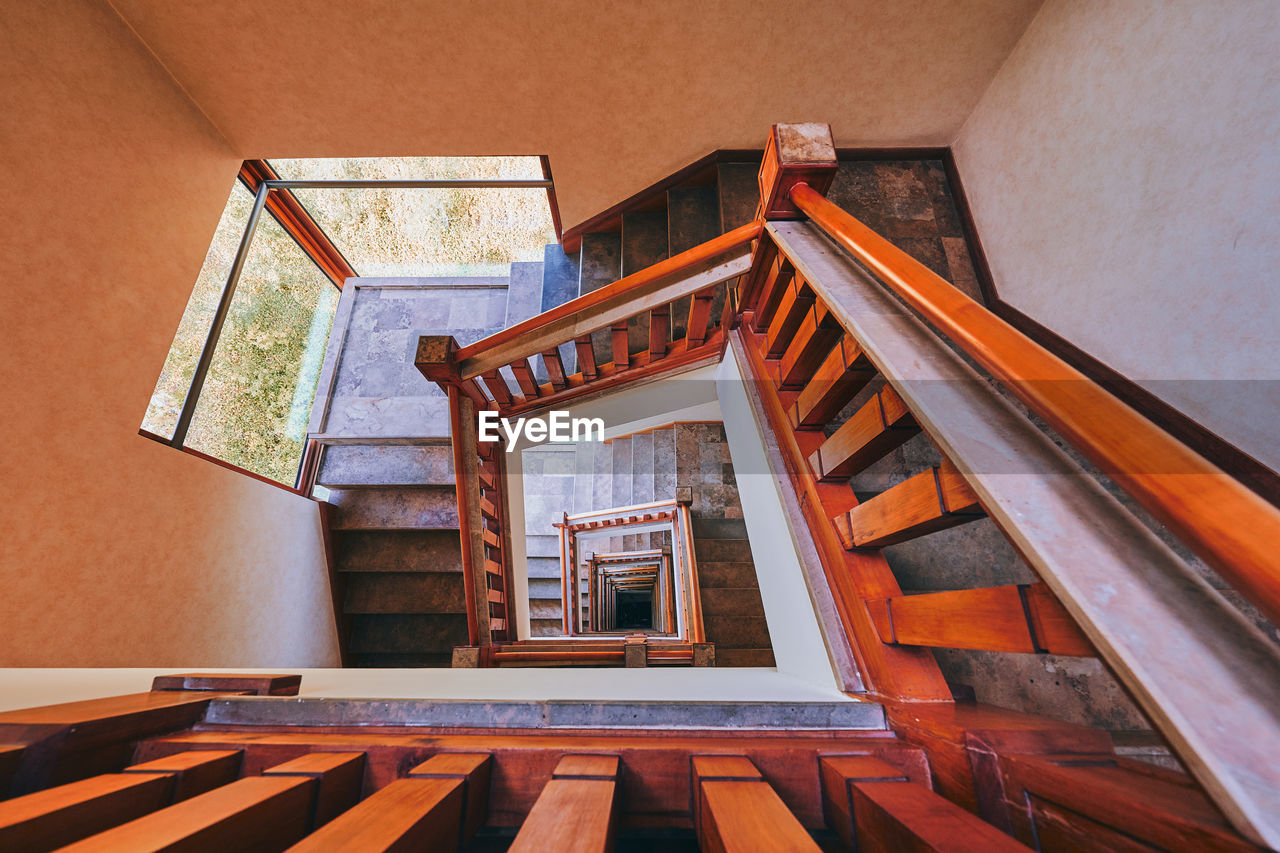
x=116, y=550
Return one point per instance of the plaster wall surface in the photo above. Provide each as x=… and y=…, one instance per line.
x=619, y=95
x=1122, y=171
x=116, y=550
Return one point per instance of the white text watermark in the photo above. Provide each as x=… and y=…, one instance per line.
x=558, y=426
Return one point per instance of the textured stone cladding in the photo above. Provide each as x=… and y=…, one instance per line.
x=910, y=203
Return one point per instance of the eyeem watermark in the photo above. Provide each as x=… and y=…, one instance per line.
x=558, y=426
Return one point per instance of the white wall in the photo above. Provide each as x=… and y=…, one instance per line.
x=1124, y=171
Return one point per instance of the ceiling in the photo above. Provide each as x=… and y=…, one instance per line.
x=619, y=94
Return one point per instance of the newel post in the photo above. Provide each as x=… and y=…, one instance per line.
x=436, y=361
x=793, y=154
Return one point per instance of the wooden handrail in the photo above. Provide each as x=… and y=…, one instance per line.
x=525, y=339
x=1230, y=527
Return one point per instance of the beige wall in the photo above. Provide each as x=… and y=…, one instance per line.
x=618, y=94
x=1124, y=170
x=115, y=550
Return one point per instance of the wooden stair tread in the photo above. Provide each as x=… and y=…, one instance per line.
x=419, y=813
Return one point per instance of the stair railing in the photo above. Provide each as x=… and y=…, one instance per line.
x=816, y=330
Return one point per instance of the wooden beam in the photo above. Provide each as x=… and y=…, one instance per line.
x=498, y=387
x=774, y=285
x=842, y=374
x=194, y=772
x=407, y=814
x=575, y=811
x=895, y=816
x=474, y=770
x=1001, y=619
x=555, y=368
x=699, y=317
x=586, y=357
x=659, y=331
x=934, y=500
x=257, y=812
x=339, y=779
x=58, y=816
x=619, y=344
x=881, y=424
x=264, y=684
x=523, y=372
x=737, y=810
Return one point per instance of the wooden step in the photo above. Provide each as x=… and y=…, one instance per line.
x=575, y=811
x=1023, y=618
x=339, y=779
x=407, y=814
x=840, y=376
x=881, y=424
x=255, y=813
x=797, y=299
x=474, y=770
x=818, y=333
x=735, y=809
x=934, y=500
x=874, y=807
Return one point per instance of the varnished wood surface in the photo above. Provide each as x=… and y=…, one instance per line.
x=571, y=815
x=933, y=500
x=894, y=817
x=842, y=374
x=194, y=772
x=408, y=814
x=339, y=777
x=255, y=813
x=587, y=767
x=748, y=817
x=57, y=816
x=881, y=424
x=260, y=684
x=475, y=770
x=1229, y=526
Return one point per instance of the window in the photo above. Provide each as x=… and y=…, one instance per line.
x=241, y=375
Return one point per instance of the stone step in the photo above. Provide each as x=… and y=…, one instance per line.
x=726, y=575
x=544, y=567
x=584, y=475
x=664, y=464
x=721, y=550
x=644, y=243
x=642, y=471
x=399, y=551
x=600, y=264
x=524, y=293
x=428, y=508
x=602, y=479
x=542, y=545
x=544, y=588
x=416, y=634
x=364, y=466
x=621, y=480
x=560, y=276
x=719, y=528
x=405, y=592
x=545, y=608
x=546, y=627
x=693, y=218
x=736, y=631
x=738, y=189
x=744, y=657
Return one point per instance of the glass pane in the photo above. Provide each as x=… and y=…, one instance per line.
x=429, y=232
x=410, y=168
x=256, y=402
x=468, y=232
x=180, y=365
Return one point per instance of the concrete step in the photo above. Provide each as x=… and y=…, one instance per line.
x=405, y=592
x=413, y=634
x=719, y=528
x=399, y=551
x=738, y=190
x=427, y=508
x=364, y=466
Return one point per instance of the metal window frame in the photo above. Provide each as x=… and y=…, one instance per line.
x=266, y=185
